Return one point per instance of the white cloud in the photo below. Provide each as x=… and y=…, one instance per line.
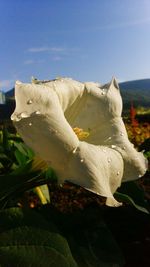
x=120, y=25
x=45, y=49
x=57, y=58
x=28, y=62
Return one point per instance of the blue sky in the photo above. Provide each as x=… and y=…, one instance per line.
x=88, y=40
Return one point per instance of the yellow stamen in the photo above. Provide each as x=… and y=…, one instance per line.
x=80, y=133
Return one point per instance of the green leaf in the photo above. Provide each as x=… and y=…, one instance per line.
x=90, y=241
x=20, y=180
x=21, y=158
x=133, y=194
x=26, y=151
x=5, y=140
x=125, y=198
x=1, y=166
x=31, y=241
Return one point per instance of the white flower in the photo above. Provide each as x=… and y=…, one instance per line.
x=46, y=114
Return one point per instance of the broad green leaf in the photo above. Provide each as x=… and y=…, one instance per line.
x=17, y=217
x=126, y=198
x=1, y=166
x=26, y=151
x=21, y=158
x=31, y=255
x=20, y=180
x=90, y=241
x=4, y=159
x=26, y=239
x=133, y=194
x=5, y=140
x=15, y=137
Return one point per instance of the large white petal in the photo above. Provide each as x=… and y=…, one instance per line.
x=45, y=114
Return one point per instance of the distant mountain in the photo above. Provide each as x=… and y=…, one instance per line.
x=9, y=93
x=137, y=91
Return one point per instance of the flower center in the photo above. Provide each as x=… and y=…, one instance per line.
x=81, y=134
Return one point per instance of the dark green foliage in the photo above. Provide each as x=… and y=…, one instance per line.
x=145, y=146
x=90, y=241
x=46, y=237
x=133, y=194
x=27, y=239
x=17, y=174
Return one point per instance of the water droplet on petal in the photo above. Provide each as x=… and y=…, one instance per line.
x=140, y=175
x=81, y=160
x=30, y=124
x=29, y=101
x=122, y=134
x=74, y=151
x=37, y=112
x=17, y=118
x=118, y=173
x=124, y=148
x=24, y=115
x=109, y=160
x=103, y=93
x=113, y=146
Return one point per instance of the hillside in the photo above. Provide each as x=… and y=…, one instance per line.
x=137, y=91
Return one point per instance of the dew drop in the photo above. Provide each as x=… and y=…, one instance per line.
x=37, y=112
x=74, y=151
x=113, y=146
x=122, y=134
x=118, y=173
x=17, y=118
x=30, y=124
x=124, y=148
x=24, y=115
x=29, y=102
x=103, y=93
x=109, y=160
x=140, y=175
x=81, y=160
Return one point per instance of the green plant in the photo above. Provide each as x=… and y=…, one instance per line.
x=43, y=236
